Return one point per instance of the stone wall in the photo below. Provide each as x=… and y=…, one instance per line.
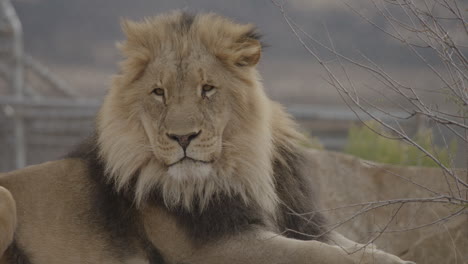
x=345, y=180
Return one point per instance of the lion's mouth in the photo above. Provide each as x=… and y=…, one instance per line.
x=186, y=158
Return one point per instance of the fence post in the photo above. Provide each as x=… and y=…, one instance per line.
x=17, y=81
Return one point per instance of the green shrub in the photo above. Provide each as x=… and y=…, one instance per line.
x=366, y=144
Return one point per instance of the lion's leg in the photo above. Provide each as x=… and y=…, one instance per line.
x=7, y=219
x=257, y=246
x=361, y=250
x=267, y=248
x=342, y=241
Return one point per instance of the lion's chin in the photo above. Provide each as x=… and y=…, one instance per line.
x=188, y=168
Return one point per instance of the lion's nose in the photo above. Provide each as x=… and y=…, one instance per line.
x=184, y=140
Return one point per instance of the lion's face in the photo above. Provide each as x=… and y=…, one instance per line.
x=185, y=107
x=187, y=116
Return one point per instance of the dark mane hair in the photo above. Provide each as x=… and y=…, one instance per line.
x=113, y=212
x=299, y=218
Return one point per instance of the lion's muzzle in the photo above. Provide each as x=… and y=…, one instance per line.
x=184, y=140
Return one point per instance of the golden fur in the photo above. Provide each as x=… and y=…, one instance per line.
x=191, y=163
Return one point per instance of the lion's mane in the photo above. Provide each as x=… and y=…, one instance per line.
x=258, y=165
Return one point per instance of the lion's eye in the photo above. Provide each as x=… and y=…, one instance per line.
x=158, y=91
x=208, y=90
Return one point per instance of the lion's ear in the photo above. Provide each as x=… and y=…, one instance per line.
x=247, y=52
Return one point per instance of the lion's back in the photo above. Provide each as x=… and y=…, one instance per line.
x=47, y=186
x=54, y=212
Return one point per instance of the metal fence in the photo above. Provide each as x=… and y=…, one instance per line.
x=40, y=120
x=49, y=128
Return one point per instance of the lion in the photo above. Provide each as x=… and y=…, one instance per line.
x=190, y=162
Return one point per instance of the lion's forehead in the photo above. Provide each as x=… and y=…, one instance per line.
x=193, y=67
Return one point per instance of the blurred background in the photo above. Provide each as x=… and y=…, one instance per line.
x=57, y=57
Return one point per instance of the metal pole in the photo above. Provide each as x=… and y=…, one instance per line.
x=17, y=80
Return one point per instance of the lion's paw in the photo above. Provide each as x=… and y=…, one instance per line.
x=7, y=218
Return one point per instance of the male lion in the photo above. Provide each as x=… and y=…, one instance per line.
x=190, y=163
